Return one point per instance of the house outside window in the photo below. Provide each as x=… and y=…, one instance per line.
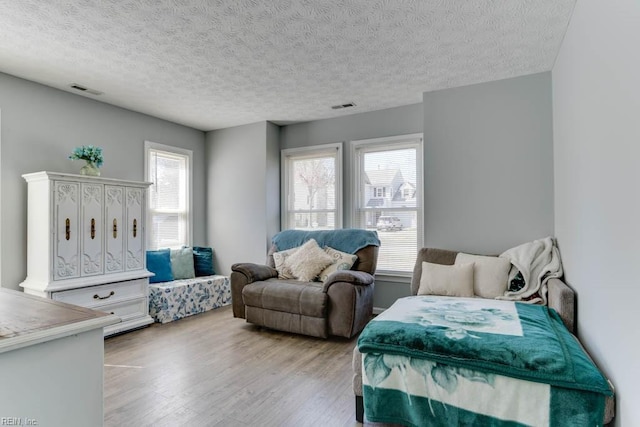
x=408, y=190
x=393, y=165
x=311, y=187
x=380, y=191
x=169, y=202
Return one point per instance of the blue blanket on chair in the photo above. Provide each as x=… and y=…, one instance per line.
x=349, y=240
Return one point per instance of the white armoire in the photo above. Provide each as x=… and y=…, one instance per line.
x=86, y=244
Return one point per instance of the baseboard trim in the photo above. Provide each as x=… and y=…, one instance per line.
x=378, y=310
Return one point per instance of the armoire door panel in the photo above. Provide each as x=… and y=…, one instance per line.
x=134, y=240
x=66, y=263
x=114, y=229
x=92, y=234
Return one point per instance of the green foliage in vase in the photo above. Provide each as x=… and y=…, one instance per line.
x=89, y=153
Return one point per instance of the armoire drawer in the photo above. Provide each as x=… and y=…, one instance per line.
x=108, y=293
x=126, y=310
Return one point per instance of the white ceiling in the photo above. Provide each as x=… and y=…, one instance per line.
x=214, y=64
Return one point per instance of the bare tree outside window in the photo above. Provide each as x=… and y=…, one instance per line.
x=311, y=180
x=318, y=176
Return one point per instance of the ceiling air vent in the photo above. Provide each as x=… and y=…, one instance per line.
x=81, y=88
x=341, y=106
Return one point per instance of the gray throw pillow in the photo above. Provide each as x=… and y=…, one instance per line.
x=182, y=263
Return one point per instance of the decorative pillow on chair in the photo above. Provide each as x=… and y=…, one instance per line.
x=447, y=280
x=182, y=264
x=341, y=261
x=159, y=263
x=203, y=261
x=284, y=272
x=490, y=274
x=308, y=261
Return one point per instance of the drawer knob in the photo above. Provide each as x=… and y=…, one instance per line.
x=96, y=296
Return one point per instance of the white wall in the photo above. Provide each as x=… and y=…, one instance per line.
x=40, y=127
x=596, y=113
x=243, y=193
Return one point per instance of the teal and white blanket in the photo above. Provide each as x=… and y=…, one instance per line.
x=431, y=361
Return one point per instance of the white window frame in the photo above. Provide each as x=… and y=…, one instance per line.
x=383, y=144
x=148, y=146
x=310, y=151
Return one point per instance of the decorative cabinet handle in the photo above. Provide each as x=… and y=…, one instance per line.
x=135, y=227
x=93, y=228
x=67, y=229
x=96, y=296
x=115, y=228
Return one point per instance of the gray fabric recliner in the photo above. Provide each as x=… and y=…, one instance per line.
x=340, y=306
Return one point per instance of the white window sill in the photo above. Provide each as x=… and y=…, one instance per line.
x=394, y=278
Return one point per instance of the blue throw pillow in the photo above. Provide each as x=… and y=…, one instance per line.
x=203, y=261
x=159, y=262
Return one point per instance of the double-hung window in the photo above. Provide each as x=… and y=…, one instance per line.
x=387, y=192
x=169, y=201
x=311, y=187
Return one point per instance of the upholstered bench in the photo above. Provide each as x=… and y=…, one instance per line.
x=173, y=300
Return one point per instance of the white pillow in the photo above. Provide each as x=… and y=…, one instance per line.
x=447, y=280
x=490, y=274
x=341, y=261
x=284, y=272
x=308, y=261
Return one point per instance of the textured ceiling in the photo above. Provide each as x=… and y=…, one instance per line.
x=214, y=64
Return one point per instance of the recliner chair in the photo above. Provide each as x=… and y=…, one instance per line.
x=341, y=305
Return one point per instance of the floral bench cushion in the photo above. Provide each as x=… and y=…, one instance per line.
x=169, y=301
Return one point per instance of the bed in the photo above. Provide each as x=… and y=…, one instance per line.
x=442, y=361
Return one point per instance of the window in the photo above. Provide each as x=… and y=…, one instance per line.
x=311, y=187
x=387, y=180
x=408, y=192
x=169, y=201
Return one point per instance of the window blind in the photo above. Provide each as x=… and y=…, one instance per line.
x=168, y=199
x=388, y=181
x=312, y=188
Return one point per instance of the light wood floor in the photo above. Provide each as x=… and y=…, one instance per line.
x=214, y=370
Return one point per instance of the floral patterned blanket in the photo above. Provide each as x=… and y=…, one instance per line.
x=470, y=361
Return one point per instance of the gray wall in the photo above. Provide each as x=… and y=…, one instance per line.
x=489, y=165
x=596, y=104
x=243, y=193
x=272, y=180
x=375, y=124
x=40, y=127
